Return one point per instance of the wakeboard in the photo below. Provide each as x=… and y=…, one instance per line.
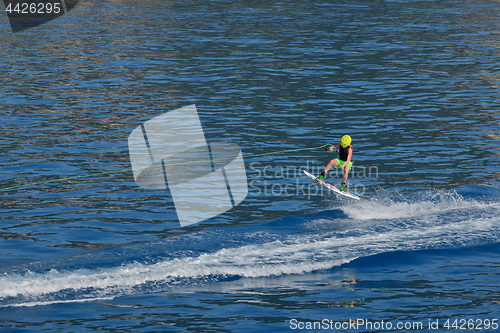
x=333, y=188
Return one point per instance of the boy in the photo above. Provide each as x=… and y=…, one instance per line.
x=343, y=162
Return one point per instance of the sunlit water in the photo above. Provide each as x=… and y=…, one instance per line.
x=415, y=84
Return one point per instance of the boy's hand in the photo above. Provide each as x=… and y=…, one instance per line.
x=331, y=149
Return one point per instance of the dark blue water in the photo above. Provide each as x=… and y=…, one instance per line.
x=415, y=84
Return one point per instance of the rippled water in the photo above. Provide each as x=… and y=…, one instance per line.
x=416, y=85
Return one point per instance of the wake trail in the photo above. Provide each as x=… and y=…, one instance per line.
x=377, y=225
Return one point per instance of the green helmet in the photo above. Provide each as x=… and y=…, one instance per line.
x=345, y=141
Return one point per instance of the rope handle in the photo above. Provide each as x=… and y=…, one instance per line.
x=327, y=147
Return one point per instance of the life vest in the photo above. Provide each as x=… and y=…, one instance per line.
x=344, y=152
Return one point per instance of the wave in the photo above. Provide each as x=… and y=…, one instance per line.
x=397, y=206
x=291, y=245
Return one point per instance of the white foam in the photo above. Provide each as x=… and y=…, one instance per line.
x=297, y=254
x=271, y=259
x=398, y=206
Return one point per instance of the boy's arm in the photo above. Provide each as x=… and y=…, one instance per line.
x=334, y=146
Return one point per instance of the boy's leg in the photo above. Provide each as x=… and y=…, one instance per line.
x=347, y=168
x=343, y=186
x=346, y=173
x=332, y=163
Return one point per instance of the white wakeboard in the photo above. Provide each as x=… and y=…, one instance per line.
x=333, y=188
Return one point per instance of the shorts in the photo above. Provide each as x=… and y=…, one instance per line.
x=342, y=162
